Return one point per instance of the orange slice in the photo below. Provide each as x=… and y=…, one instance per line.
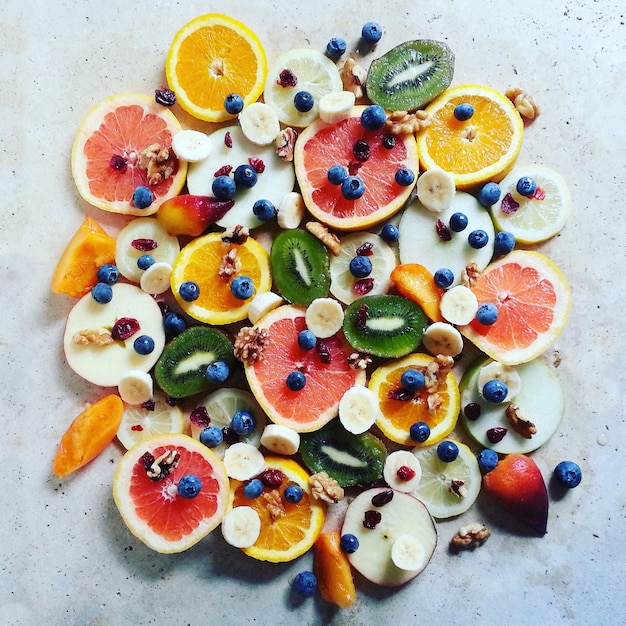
x=397, y=416
x=534, y=301
x=113, y=149
x=481, y=149
x=321, y=145
x=287, y=530
x=211, y=57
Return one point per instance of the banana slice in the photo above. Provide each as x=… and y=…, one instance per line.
x=156, y=279
x=191, y=145
x=280, y=439
x=407, y=553
x=358, y=409
x=136, y=387
x=241, y=526
x=259, y=123
x=508, y=375
x=324, y=317
x=435, y=189
x=402, y=471
x=458, y=305
x=443, y=338
x=263, y=303
x=291, y=210
x=243, y=461
x=336, y=106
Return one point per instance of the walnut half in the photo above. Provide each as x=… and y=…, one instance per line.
x=323, y=487
x=470, y=537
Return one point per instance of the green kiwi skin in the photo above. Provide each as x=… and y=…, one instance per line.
x=409, y=97
x=316, y=258
x=194, y=340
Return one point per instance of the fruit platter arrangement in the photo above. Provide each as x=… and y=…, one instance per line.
x=321, y=325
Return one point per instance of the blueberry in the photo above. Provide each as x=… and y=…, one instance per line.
x=568, y=474
x=189, y=291
x=390, y=233
x=108, y=273
x=223, y=188
x=526, y=186
x=173, y=323
x=102, y=293
x=373, y=117
x=419, y=432
x=447, y=451
x=371, y=32
x=305, y=584
x=233, y=103
x=242, y=287
x=503, y=243
x=495, y=391
x=144, y=344
x=412, y=380
x=463, y=111
x=295, y=381
x=189, y=486
x=487, y=460
x=306, y=340
x=478, y=239
x=303, y=101
x=211, y=436
x=487, y=314
x=217, y=372
x=349, y=543
x=360, y=266
x=443, y=277
x=489, y=194
x=335, y=48
x=352, y=188
x=243, y=422
x=458, y=222
x=145, y=261
x=245, y=176
x=404, y=177
x=336, y=174
x=293, y=494
x=253, y=489
x=264, y=210
x=142, y=197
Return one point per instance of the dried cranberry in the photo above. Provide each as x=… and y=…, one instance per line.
x=539, y=194
x=324, y=351
x=164, y=306
x=365, y=249
x=118, y=163
x=371, y=519
x=496, y=434
x=361, y=316
x=225, y=170
x=144, y=245
x=166, y=97
x=402, y=394
x=137, y=428
x=353, y=168
x=287, y=78
x=442, y=231
x=361, y=150
x=230, y=436
x=472, y=411
x=272, y=478
x=382, y=497
x=405, y=472
x=124, y=328
x=257, y=164
x=509, y=204
x=228, y=139
x=148, y=405
x=389, y=141
x=147, y=459
x=200, y=417
x=363, y=286
x=171, y=401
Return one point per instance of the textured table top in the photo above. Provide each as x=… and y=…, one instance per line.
x=67, y=558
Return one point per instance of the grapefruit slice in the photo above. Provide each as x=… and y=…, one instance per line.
x=317, y=402
x=321, y=145
x=124, y=142
x=151, y=506
x=534, y=301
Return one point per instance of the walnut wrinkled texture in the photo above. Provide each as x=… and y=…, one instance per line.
x=358, y=361
x=330, y=240
x=229, y=265
x=92, y=337
x=274, y=503
x=470, y=536
x=458, y=488
x=236, y=234
x=519, y=422
x=285, y=142
x=470, y=275
x=436, y=372
x=405, y=123
x=524, y=104
x=250, y=343
x=323, y=487
x=353, y=77
x=157, y=163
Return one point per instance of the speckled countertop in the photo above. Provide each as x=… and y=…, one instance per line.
x=66, y=556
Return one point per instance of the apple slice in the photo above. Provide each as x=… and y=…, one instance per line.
x=190, y=214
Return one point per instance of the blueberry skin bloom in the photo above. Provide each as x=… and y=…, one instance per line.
x=495, y=391
x=373, y=117
x=390, y=233
x=335, y=48
x=295, y=381
x=303, y=101
x=233, y=103
x=371, y=32
x=242, y=287
x=360, y=266
x=224, y=188
x=211, y=436
x=306, y=340
x=419, y=432
x=349, y=543
x=447, y=451
x=352, y=188
x=568, y=474
x=305, y=584
x=189, y=486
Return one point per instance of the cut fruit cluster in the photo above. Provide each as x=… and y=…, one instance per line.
x=269, y=363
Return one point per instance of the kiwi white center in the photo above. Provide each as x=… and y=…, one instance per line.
x=301, y=267
x=411, y=74
x=386, y=324
x=345, y=458
x=194, y=362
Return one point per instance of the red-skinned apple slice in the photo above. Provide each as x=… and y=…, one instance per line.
x=190, y=214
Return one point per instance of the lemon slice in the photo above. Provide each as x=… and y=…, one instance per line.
x=297, y=70
x=538, y=217
x=436, y=489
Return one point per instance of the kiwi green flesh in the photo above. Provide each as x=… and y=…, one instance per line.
x=181, y=369
x=385, y=325
x=410, y=75
x=300, y=266
x=349, y=459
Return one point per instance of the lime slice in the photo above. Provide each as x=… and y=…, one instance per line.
x=436, y=488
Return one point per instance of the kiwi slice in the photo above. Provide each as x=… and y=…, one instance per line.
x=410, y=75
x=388, y=326
x=300, y=265
x=181, y=369
x=349, y=459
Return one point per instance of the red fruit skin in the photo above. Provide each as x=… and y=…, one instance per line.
x=517, y=484
x=191, y=215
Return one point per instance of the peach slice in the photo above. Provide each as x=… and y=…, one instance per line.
x=189, y=214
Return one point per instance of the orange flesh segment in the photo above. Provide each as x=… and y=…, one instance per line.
x=332, y=569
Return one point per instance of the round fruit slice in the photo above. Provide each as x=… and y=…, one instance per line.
x=327, y=373
x=124, y=142
x=535, y=218
x=288, y=529
x=533, y=299
x=448, y=488
x=321, y=146
x=207, y=261
x=299, y=70
x=479, y=149
x=211, y=57
x=436, y=404
x=145, y=490
x=539, y=401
